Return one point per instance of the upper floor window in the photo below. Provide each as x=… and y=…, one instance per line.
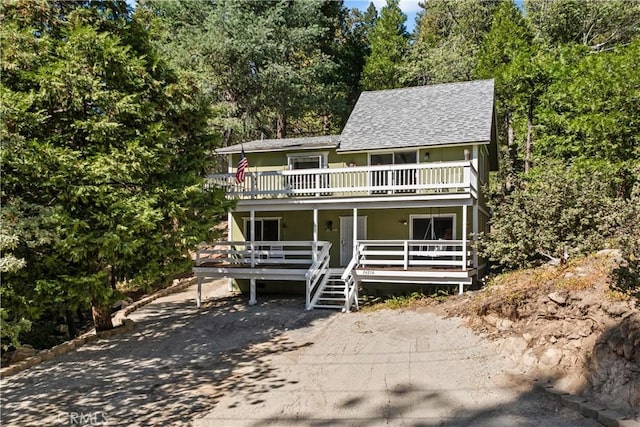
x=312, y=161
x=395, y=158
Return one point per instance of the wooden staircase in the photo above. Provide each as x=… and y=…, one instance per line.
x=332, y=294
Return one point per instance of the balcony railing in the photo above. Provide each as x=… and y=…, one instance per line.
x=415, y=253
x=460, y=177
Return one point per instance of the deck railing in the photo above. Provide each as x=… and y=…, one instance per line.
x=458, y=176
x=317, y=275
x=415, y=253
x=263, y=253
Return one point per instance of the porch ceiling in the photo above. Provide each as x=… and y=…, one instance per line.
x=375, y=202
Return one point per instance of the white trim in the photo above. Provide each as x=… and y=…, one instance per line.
x=417, y=147
x=437, y=215
x=391, y=201
x=392, y=151
x=322, y=155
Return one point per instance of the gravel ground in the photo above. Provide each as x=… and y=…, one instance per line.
x=230, y=364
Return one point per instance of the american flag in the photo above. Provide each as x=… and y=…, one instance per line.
x=242, y=165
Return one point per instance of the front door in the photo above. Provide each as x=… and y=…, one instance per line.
x=346, y=236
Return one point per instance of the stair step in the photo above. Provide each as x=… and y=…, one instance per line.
x=330, y=299
x=338, y=307
x=327, y=292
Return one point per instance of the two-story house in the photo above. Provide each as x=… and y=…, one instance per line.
x=396, y=198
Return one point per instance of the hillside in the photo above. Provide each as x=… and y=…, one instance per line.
x=563, y=325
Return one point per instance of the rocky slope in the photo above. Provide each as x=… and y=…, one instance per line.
x=564, y=325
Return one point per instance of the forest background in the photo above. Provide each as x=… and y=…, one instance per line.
x=110, y=115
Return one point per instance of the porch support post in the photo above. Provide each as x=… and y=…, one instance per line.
x=199, y=293
x=475, y=236
x=464, y=237
x=252, y=288
x=230, y=239
x=252, y=292
x=355, y=232
x=315, y=235
x=252, y=226
x=460, y=288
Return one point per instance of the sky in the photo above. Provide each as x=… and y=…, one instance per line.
x=409, y=7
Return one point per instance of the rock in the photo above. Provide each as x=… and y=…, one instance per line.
x=504, y=324
x=551, y=357
x=559, y=298
x=568, y=275
x=616, y=309
x=514, y=347
x=607, y=252
x=23, y=352
x=527, y=337
x=553, y=339
x=491, y=319
x=119, y=305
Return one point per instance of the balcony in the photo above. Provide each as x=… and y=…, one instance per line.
x=443, y=177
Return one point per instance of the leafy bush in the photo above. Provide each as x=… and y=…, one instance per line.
x=556, y=212
x=626, y=277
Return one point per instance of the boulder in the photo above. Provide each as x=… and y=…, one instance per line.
x=551, y=357
x=559, y=298
x=22, y=353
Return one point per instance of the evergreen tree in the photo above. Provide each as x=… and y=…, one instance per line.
x=104, y=153
x=389, y=42
x=447, y=40
x=267, y=66
x=595, y=24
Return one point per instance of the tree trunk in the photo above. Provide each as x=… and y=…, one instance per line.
x=508, y=182
x=101, y=316
x=68, y=315
x=281, y=126
x=527, y=157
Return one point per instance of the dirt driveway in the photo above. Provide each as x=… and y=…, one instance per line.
x=230, y=364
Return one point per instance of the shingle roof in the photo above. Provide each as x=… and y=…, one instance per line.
x=262, y=145
x=421, y=116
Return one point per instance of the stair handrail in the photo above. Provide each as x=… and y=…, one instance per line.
x=317, y=270
x=350, y=292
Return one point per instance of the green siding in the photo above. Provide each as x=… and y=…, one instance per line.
x=279, y=160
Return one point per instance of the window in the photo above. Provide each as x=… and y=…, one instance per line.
x=432, y=228
x=306, y=181
x=401, y=177
x=267, y=229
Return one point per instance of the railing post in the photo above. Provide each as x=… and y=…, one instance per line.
x=467, y=175
x=464, y=237
x=253, y=185
x=406, y=254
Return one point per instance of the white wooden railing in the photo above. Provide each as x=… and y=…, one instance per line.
x=415, y=253
x=350, y=287
x=459, y=176
x=317, y=275
x=263, y=253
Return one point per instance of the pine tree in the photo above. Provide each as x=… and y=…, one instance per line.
x=389, y=43
x=108, y=142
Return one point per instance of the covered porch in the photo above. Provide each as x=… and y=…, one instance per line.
x=332, y=269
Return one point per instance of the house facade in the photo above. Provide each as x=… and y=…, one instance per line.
x=396, y=198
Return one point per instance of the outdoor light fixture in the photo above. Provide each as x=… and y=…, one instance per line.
x=426, y=155
x=402, y=222
x=329, y=225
